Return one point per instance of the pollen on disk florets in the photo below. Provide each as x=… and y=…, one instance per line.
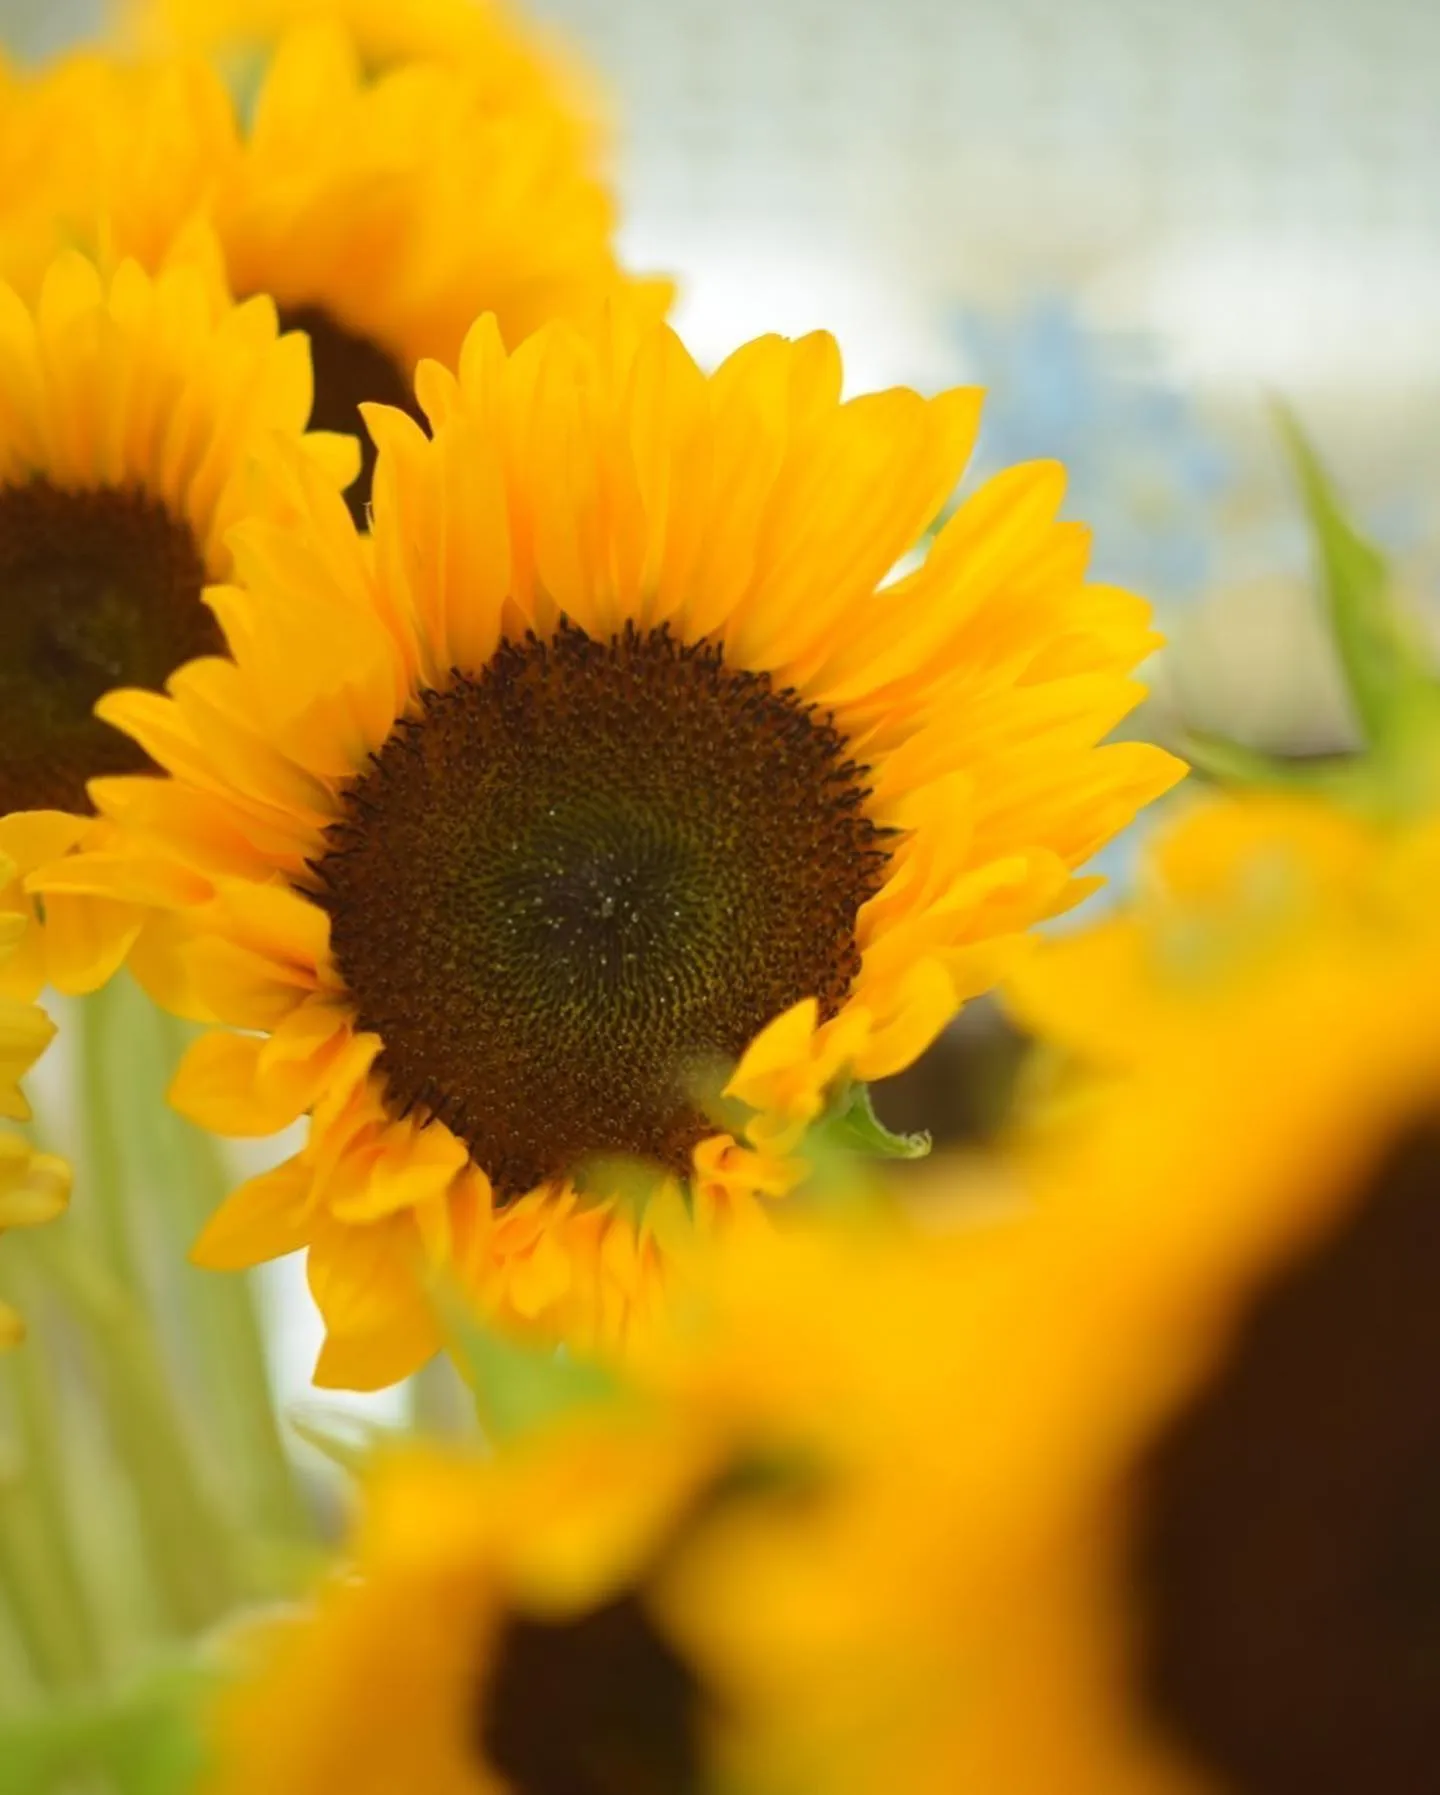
x=99, y=588
x=575, y=883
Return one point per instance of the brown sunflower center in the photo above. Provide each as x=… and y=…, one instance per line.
x=1289, y=1557
x=98, y=589
x=601, y=1705
x=350, y=370
x=576, y=884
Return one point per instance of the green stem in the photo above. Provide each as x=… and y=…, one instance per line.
x=190, y=1547
x=54, y=1633
x=226, y=1329
x=103, y=1169
x=189, y=1543
x=38, y=1566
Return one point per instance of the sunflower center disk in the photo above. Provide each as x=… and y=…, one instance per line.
x=577, y=885
x=591, y=1706
x=349, y=371
x=1289, y=1555
x=98, y=589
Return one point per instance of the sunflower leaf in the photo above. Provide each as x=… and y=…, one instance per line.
x=851, y=1126
x=1380, y=654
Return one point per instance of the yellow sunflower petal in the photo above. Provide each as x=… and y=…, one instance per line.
x=365, y=1282
x=25, y=1033
x=34, y=1187
x=247, y=1085
x=265, y=1218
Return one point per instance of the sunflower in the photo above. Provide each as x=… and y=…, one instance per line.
x=1233, y=892
x=731, y=1571
x=530, y=1659
x=566, y=842
x=1216, y=1571
x=486, y=37
x=27, y=228
x=820, y=1598
x=714, y=1576
x=135, y=414
x=381, y=214
x=34, y=1187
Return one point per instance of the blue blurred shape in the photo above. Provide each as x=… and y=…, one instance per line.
x=1144, y=472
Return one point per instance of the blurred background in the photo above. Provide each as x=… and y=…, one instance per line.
x=1136, y=222
x=1134, y=219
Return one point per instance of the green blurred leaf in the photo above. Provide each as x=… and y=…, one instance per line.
x=155, y=1745
x=36, y=1750
x=345, y=1438
x=1381, y=655
x=1226, y=762
x=519, y=1386
x=145, y=1739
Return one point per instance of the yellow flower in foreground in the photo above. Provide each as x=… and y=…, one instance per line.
x=727, y=1576
x=488, y=1636
x=821, y=1600
x=606, y=763
x=134, y=416
x=34, y=1187
x=1234, y=892
x=1153, y=1463
x=382, y=215
x=1216, y=1574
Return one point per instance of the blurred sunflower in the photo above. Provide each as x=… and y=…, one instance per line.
x=382, y=215
x=27, y=228
x=718, y=1575
x=135, y=416
x=530, y=1658
x=604, y=764
x=34, y=1187
x=1233, y=892
x=820, y=1598
x=508, y=58
x=1217, y=1573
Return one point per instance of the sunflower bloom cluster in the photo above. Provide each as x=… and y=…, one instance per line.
x=491, y=804
x=381, y=212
